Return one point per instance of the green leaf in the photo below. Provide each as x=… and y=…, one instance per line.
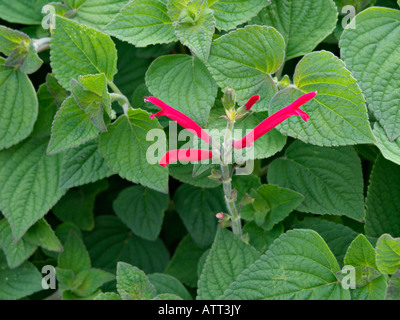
x=55, y=89
x=26, y=175
x=167, y=296
x=228, y=257
x=111, y=241
x=142, y=210
x=244, y=60
x=165, y=283
x=41, y=234
x=329, y=178
x=228, y=14
x=275, y=276
x=18, y=106
x=184, y=83
x=10, y=39
x=65, y=278
x=15, y=252
x=125, y=149
x=79, y=50
x=184, y=173
x=22, y=11
x=92, y=96
x=273, y=203
x=75, y=257
x=358, y=4
x=259, y=238
x=393, y=289
x=197, y=208
x=302, y=24
x=337, y=236
x=74, y=4
x=82, y=200
x=370, y=51
x=338, y=115
x=183, y=264
x=143, y=22
x=388, y=254
x=362, y=254
x=90, y=280
x=133, y=284
x=47, y=111
x=83, y=165
x=390, y=149
x=97, y=13
x=72, y=127
x=20, y=282
x=108, y=296
x=383, y=199
x=197, y=34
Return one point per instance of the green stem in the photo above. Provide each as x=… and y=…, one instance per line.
x=119, y=97
x=227, y=182
x=41, y=44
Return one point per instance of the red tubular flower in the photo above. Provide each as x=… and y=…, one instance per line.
x=252, y=101
x=272, y=121
x=185, y=155
x=179, y=117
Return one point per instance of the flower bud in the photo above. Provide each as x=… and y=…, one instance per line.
x=229, y=99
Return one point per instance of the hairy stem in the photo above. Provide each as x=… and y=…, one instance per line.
x=41, y=44
x=226, y=155
x=119, y=97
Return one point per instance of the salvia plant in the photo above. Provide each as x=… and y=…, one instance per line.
x=200, y=149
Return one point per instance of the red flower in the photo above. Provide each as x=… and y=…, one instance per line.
x=272, y=121
x=252, y=101
x=179, y=117
x=185, y=155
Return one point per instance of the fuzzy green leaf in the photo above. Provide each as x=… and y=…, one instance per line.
x=71, y=127
x=165, y=283
x=244, y=60
x=97, y=13
x=143, y=22
x=79, y=50
x=184, y=83
x=83, y=165
x=299, y=265
x=125, y=149
x=338, y=114
x=303, y=24
x=75, y=257
x=18, y=106
x=22, y=11
x=197, y=208
x=370, y=51
x=383, y=199
x=20, y=282
x=133, y=284
x=15, y=252
x=228, y=257
x=142, y=210
x=390, y=149
x=329, y=178
x=26, y=175
x=388, y=254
